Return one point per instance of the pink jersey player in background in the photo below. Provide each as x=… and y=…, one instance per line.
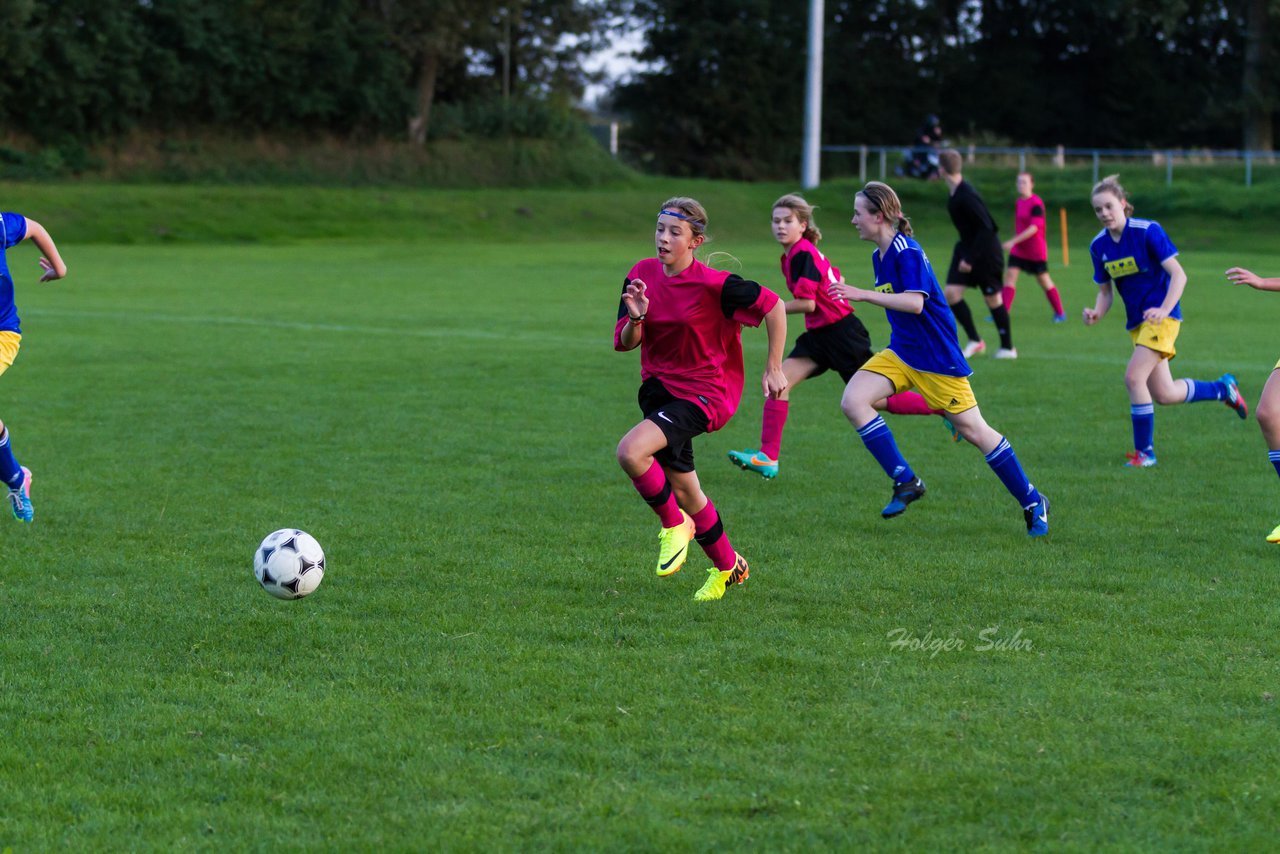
x=834, y=339
x=1028, y=249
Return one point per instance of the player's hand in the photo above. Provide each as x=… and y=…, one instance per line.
x=964, y=266
x=843, y=290
x=634, y=298
x=774, y=383
x=50, y=272
x=1091, y=316
x=1154, y=315
x=1241, y=276
x=1007, y=246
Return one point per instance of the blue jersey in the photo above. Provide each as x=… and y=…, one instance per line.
x=13, y=228
x=925, y=341
x=1134, y=265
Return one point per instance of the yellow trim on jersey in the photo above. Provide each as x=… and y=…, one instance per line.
x=1158, y=337
x=952, y=394
x=1121, y=267
x=8, y=349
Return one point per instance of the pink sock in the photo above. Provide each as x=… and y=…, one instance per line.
x=656, y=491
x=1007, y=295
x=1055, y=300
x=709, y=533
x=775, y=418
x=909, y=403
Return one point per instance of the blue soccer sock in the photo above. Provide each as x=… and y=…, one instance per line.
x=879, y=441
x=1274, y=456
x=1144, y=426
x=1004, y=462
x=1198, y=390
x=10, y=471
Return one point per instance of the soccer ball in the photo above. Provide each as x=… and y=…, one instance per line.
x=289, y=564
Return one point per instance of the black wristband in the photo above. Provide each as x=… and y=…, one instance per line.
x=636, y=321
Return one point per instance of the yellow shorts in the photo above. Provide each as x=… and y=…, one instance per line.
x=1158, y=337
x=952, y=394
x=1277, y=367
x=8, y=349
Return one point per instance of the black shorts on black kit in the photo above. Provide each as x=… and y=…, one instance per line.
x=843, y=347
x=987, y=273
x=678, y=419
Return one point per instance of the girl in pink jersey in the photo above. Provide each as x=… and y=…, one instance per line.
x=834, y=338
x=1028, y=249
x=1268, y=410
x=686, y=318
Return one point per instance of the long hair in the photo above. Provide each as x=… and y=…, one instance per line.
x=1111, y=184
x=795, y=203
x=881, y=197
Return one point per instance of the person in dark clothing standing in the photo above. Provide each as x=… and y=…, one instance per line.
x=978, y=259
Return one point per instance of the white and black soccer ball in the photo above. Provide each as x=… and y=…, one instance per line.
x=289, y=564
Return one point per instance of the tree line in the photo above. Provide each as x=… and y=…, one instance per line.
x=723, y=93
x=727, y=93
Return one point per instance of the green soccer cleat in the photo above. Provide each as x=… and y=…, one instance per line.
x=951, y=428
x=20, y=498
x=1274, y=536
x=719, y=580
x=673, y=546
x=753, y=460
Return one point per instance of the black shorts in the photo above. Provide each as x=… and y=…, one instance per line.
x=678, y=419
x=987, y=273
x=843, y=347
x=1035, y=268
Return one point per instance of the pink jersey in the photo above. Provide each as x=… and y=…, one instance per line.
x=691, y=340
x=1028, y=212
x=808, y=272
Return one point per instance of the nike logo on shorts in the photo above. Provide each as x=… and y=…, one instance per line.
x=664, y=417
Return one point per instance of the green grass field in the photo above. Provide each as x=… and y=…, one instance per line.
x=425, y=382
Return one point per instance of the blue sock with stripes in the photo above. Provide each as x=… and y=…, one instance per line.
x=10, y=471
x=1198, y=390
x=879, y=441
x=1144, y=426
x=1274, y=456
x=1004, y=462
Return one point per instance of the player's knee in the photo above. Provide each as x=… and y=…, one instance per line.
x=1268, y=414
x=630, y=456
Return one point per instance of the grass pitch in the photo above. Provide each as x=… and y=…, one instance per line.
x=490, y=662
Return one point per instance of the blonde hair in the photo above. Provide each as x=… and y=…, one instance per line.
x=881, y=198
x=949, y=161
x=693, y=213
x=796, y=203
x=1111, y=184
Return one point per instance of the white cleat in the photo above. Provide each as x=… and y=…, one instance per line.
x=1006, y=353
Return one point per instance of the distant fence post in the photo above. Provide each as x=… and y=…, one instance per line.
x=1022, y=160
x=862, y=164
x=883, y=164
x=613, y=138
x=1248, y=168
x=1060, y=159
x=972, y=153
x=1095, y=167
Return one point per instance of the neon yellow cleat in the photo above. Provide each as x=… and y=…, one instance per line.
x=1274, y=536
x=719, y=580
x=673, y=546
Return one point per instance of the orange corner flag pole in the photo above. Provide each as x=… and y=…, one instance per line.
x=1065, y=261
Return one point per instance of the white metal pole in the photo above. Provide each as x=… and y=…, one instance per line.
x=813, y=100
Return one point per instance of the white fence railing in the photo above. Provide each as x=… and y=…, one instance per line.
x=889, y=156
